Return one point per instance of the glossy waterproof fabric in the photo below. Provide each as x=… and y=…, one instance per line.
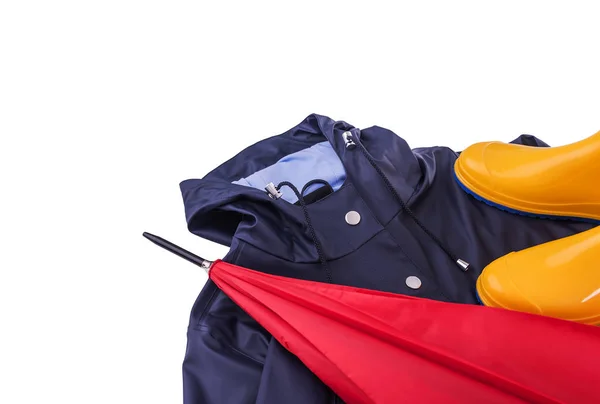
x=433, y=352
x=232, y=359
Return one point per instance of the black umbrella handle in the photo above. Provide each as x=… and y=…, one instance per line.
x=175, y=249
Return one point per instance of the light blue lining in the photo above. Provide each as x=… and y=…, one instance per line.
x=319, y=161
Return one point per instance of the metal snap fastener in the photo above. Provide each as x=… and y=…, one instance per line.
x=353, y=218
x=413, y=282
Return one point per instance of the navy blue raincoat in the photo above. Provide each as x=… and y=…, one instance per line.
x=231, y=359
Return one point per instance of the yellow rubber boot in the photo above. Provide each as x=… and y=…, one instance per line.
x=541, y=181
x=557, y=279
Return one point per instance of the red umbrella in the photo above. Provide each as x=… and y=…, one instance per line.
x=377, y=347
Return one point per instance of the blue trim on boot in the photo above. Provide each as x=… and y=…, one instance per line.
x=478, y=298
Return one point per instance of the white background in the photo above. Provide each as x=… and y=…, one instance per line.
x=106, y=106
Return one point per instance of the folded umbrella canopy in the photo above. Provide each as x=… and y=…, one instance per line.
x=377, y=347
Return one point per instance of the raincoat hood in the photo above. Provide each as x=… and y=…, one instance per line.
x=216, y=208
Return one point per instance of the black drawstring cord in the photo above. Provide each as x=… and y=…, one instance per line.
x=317, y=181
x=313, y=234
x=351, y=141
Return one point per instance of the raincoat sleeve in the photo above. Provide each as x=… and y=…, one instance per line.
x=285, y=379
x=225, y=353
x=231, y=359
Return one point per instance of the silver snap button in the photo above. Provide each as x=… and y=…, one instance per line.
x=413, y=282
x=353, y=218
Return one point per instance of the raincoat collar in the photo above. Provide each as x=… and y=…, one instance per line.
x=218, y=210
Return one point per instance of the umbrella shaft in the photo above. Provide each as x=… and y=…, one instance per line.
x=181, y=252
